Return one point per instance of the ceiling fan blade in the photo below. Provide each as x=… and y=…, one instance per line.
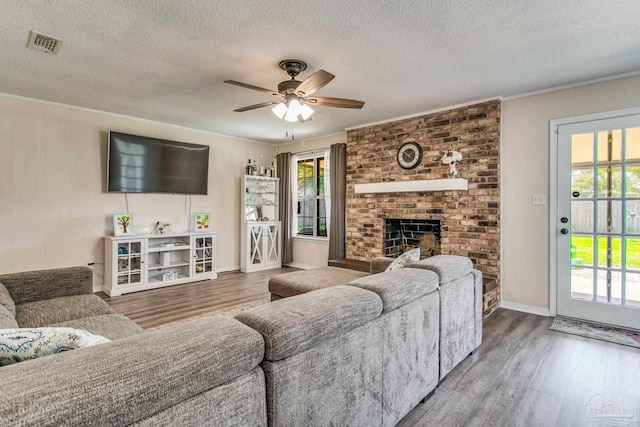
x=253, y=107
x=252, y=87
x=314, y=83
x=335, y=102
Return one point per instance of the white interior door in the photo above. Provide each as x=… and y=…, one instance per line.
x=598, y=223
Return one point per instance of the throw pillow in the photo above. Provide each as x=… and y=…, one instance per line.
x=406, y=258
x=20, y=344
x=6, y=300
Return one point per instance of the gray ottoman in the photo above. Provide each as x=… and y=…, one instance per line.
x=300, y=282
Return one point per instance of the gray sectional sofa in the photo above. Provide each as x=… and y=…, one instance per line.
x=203, y=372
x=362, y=353
x=431, y=320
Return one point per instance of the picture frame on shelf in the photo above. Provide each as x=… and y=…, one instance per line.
x=202, y=222
x=123, y=224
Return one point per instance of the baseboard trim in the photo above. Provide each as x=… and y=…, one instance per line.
x=301, y=266
x=532, y=309
x=97, y=288
x=226, y=269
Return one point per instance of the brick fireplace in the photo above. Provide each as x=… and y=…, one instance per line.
x=469, y=219
x=401, y=235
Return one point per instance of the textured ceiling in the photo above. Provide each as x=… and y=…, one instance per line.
x=166, y=60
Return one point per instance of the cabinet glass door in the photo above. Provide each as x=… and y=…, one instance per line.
x=203, y=256
x=256, y=255
x=260, y=199
x=129, y=263
x=271, y=249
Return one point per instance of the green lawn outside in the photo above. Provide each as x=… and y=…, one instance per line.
x=584, y=250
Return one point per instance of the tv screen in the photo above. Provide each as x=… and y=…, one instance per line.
x=138, y=164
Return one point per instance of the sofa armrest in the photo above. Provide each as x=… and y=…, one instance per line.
x=130, y=379
x=448, y=267
x=380, y=264
x=399, y=287
x=39, y=285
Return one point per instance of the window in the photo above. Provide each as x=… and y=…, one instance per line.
x=311, y=203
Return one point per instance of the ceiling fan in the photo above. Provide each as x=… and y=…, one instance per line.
x=294, y=97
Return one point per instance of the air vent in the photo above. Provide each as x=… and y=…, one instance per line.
x=44, y=43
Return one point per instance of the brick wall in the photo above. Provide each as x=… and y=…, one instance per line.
x=470, y=219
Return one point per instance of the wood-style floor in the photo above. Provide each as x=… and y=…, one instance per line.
x=527, y=375
x=157, y=307
x=524, y=374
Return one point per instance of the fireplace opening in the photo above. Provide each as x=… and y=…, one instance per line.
x=404, y=234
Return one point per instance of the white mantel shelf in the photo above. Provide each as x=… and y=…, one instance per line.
x=406, y=186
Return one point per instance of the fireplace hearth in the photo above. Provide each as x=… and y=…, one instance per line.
x=404, y=234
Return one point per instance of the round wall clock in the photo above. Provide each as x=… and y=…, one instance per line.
x=409, y=155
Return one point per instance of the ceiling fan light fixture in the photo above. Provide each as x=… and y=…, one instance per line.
x=290, y=117
x=293, y=111
x=293, y=95
x=305, y=111
x=280, y=110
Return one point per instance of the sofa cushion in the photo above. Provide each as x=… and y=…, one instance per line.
x=39, y=285
x=58, y=310
x=20, y=344
x=112, y=326
x=130, y=379
x=448, y=267
x=292, y=325
x=300, y=282
x=6, y=301
x=398, y=287
x=7, y=321
x=405, y=259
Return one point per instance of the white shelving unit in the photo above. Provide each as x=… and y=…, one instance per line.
x=260, y=245
x=138, y=263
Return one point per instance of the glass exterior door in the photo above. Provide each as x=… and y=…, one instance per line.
x=599, y=225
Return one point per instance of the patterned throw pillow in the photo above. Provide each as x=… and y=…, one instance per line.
x=406, y=258
x=18, y=345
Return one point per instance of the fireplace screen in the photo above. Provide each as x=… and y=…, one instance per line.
x=404, y=234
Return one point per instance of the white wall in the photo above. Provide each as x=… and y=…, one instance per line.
x=54, y=210
x=309, y=253
x=525, y=171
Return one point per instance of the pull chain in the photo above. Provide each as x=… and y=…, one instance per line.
x=286, y=133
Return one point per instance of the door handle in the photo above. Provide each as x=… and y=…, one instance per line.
x=564, y=231
x=564, y=220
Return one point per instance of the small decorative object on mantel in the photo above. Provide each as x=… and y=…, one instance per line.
x=452, y=158
x=201, y=221
x=123, y=225
x=163, y=228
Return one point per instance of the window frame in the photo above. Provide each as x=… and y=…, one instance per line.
x=316, y=157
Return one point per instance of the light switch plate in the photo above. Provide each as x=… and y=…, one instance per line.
x=538, y=199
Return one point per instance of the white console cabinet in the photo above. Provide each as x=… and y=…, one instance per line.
x=138, y=263
x=260, y=244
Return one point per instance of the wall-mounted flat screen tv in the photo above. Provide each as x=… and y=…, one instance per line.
x=138, y=164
